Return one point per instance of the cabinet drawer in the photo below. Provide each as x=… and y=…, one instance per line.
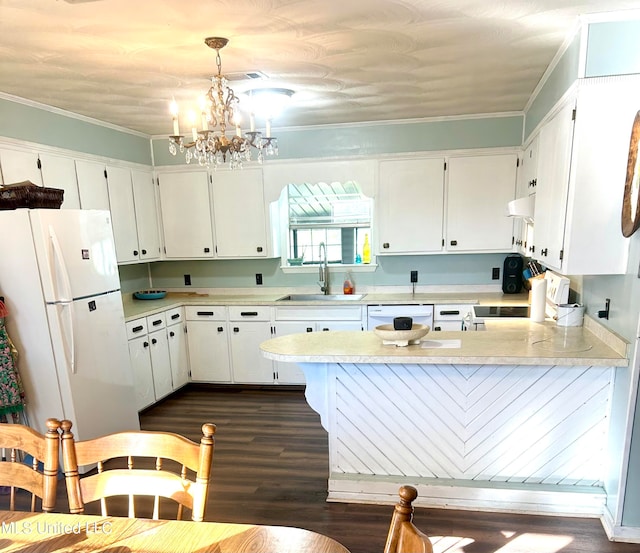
x=242, y=313
x=451, y=312
x=447, y=325
x=156, y=322
x=329, y=313
x=174, y=316
x=206, y=313
x=135, y=328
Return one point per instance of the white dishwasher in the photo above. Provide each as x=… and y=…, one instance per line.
x=384, y=314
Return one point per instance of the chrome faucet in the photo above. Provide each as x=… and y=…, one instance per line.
x=323, y=278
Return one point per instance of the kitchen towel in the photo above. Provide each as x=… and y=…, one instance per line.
x=538, y=299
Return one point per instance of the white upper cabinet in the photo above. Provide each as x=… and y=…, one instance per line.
x=133, y=211
x=526, y=188
x=410, y=205
x=92, y=185
x=239, y=214
x=146, y=209
x=186, y=215
x=19, y=166
x=60, y=172
x=581, y=174
x=47, y=170
x=123, y=214
x=528, y=170
x=553, y=183
x=478, y=190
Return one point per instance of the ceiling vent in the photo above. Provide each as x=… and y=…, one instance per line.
x=246, y=76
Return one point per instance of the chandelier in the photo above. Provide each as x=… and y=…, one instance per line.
x=219, y=109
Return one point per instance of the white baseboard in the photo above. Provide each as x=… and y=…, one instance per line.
x=530, y=499
x=616, y=532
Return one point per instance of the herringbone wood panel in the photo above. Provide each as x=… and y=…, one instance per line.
x=534, y=425
x=271, y=467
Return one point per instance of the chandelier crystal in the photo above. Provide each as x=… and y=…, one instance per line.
x=219, y=109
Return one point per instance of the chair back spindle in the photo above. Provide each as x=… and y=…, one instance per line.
x=39, y=478
x=150, y=458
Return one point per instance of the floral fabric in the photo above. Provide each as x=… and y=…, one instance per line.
x=11, y=391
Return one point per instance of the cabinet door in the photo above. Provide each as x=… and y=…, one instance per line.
x=160, y=363
x=186, y=215
x=18, y=166
x=92, y=185
x=290, y=373
x=144, y=199
x=60, y=172
x=123, y=214
x=410, y=206
x=140, y=357
x=239, y=213
x=554, y=164
x=528, y=170
x=248, y=364
x=178, y=355
x=478, y=191
x=208, y=351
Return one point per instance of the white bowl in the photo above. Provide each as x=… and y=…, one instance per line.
x=390, y=336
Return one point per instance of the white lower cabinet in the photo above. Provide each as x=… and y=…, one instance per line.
x=158, y=355
x=140, y=362
x=207, y=330
x=305, y=318
x=290, y=373
x=249, y=327
x=178, y=353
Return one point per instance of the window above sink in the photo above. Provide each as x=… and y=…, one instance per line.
x=337, y=214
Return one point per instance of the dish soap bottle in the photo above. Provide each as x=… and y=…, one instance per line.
x=347, y=287
x=366, y=250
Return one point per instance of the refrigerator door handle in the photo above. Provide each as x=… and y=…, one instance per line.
x=65, y=323
x=60, y=269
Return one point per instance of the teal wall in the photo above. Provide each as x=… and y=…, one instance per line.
x=32, y=124
x=560, y=80
x=134, y=277
x=452, y=269
x=613, y=48
x=370, y=140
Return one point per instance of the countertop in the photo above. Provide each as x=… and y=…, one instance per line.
x=522, y=343
x=134, y=308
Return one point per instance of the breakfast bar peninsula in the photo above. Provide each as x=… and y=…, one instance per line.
x=512, y=419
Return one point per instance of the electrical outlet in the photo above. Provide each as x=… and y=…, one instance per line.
x=414, y=276
x=495, y=273
x=258, y=279
x=187, y=280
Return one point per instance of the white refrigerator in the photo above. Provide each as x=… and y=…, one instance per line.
x=59, y=278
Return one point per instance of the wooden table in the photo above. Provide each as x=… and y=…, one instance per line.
x=58, y=533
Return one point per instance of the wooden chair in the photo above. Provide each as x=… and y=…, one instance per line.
x=40, y=476
x=167, y=465
x=403, y=536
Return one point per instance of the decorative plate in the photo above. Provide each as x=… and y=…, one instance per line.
x=390, y=336
x=150, y=294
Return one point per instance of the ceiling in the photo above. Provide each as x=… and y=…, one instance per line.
x=122, y=61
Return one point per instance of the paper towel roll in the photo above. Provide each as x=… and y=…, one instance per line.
x=538, y=299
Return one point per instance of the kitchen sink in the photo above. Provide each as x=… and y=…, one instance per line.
x=322, y=297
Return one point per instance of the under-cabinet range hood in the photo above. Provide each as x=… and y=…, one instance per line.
x=522, y=207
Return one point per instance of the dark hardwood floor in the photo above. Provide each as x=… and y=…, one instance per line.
x=271, y=466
